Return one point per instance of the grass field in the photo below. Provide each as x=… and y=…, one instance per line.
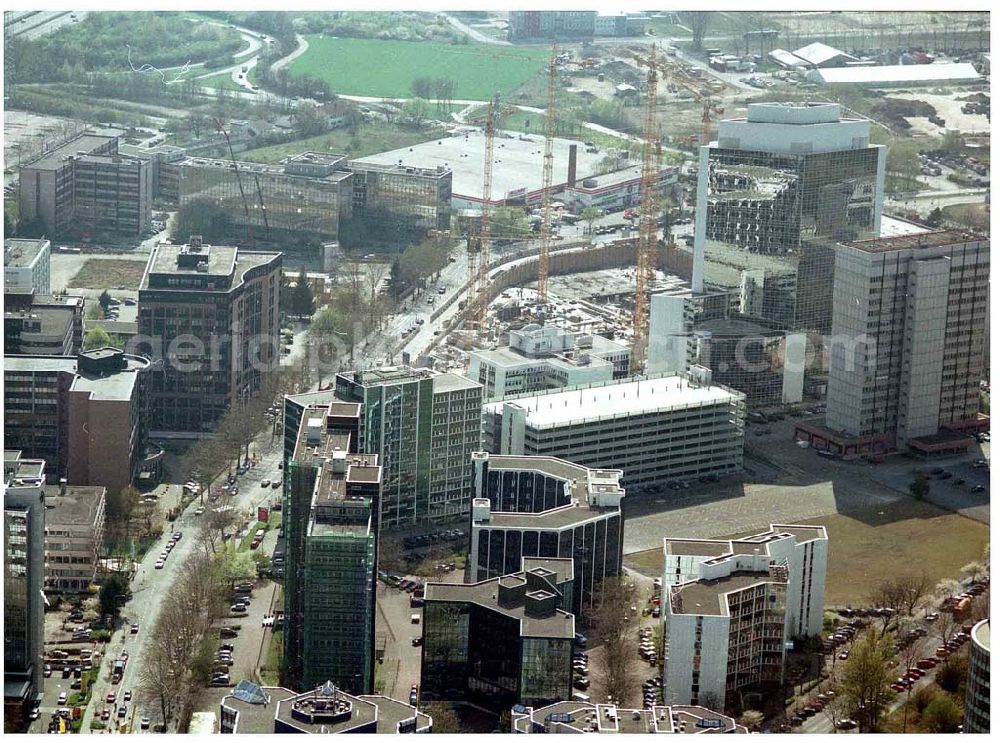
x=108, y=274
x=222, y=80
x=866, y=548
x=386, y=68
x=369, y=140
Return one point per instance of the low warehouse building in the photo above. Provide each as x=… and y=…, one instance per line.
x=896, y=75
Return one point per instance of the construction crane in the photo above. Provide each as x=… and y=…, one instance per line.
x=646, y=248
x=483, y=278
x=678, y=77
x=239, y=181
x=263, y=209
x=547, y=162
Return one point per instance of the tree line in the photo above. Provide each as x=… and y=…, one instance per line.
x=109, y=41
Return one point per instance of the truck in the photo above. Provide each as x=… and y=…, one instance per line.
x=117, y=670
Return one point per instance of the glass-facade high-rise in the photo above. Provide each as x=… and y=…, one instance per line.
x=23, y=579
x=773, y=193
x=424, y=426
x=330, y=520
x=275, y=202
x=502, y=641
x=546, y=507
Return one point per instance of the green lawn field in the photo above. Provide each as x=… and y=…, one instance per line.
x=386, y=68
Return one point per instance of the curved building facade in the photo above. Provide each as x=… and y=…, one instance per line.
x=977, y=691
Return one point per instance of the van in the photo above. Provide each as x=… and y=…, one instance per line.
x=414, y=619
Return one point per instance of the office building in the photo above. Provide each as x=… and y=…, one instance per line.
x=309, y=196
x=160, y=158
x=774, y=189
x=539, y=25
x=498, y=642
x=87, y=416
x=907, y=352
x=331, y=541
x=26, y=266
x=545, y=507
x=42, y=324
x=23, y=574
x=765, y=364
x=589, y=717
x=85, y=187
x=210, y=317
x=724, y=632
x=74, y=536
x=800, y=548
x=294, y=408
x=39, y=332
x=977, y=690
x=534, y=25
x=400, y=201
x=653, y=429
x=614, y=191
x=541, y=358
x=424, y=426
x=253, y=709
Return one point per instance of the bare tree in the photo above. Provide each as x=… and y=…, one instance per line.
x=699, y=21
x=613, y=625
x=909, y=654
x=901, y=595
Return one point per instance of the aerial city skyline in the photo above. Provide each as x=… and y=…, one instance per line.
x=496, y=371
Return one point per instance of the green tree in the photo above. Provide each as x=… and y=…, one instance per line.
x=105, y=301
x=309, y=120
x=415, y=112
x=510, y=222
x=303, y=303
x=865, y=678
x=114, y=589
x=952, y=673
x=96, y=337
x=590, y=215
x=942, y=715
x=919, y=488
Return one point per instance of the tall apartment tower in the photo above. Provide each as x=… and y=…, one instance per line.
x=424, y=426
x=772, y=191
x=330, y=520
x=23, y=578
x=725, y=631
x=908, y=324
x=210, y=312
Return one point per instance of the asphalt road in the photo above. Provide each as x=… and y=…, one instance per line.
x=149, y=583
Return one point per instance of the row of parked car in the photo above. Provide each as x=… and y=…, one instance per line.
x=652, y=692
x=171, y=543
x=424, y=540
x=581, y=670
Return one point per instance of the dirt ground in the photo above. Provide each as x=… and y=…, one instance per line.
x=109, y=274
x=948, y=108
x=866, y=547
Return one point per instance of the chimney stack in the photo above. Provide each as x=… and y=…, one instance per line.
x=571, y=170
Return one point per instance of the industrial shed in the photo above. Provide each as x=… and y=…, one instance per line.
x=897, y=75
x=820, y=55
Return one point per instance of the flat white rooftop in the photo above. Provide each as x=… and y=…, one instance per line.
x=889, y=74
x=619, y=399
x=517, y=161
x=894, y=227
